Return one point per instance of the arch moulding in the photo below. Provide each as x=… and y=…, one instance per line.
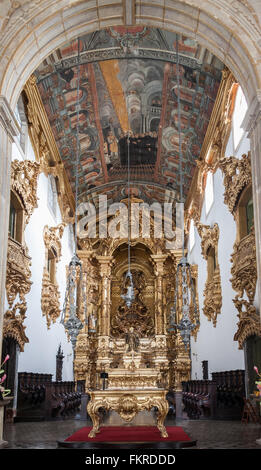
x=31, y=30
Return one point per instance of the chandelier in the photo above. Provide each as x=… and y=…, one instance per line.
x=129, y=296
x=75, y=298
x=184, y=296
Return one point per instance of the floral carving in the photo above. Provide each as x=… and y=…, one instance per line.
x=52, y=238
x=249, y=321
x=50, y=299
x=18, y=272
x=244, y=277
x=13, y=324
x=212, y=292
x=237, y=176
x=24, y=176
x=50, y=296
x=244, y=271
x=137, y=315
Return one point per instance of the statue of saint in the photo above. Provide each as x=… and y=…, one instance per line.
x=132, y=341
x=92, y=312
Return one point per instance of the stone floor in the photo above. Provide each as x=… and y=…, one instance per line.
x=209, y=434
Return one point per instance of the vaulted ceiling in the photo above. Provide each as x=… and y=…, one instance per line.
x=128, y=82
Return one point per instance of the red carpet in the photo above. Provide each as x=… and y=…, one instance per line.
x=129, y=434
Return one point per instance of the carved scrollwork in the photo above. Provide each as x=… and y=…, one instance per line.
x=212, y=292
x=194, y=276
x=237, y=176
x=209, y=237
x=244, y=277
x=127, y=405
x=50, y=299
x=24, y=176
x=181, y=371
x=213, y=297
x=237, y=180
x=52, y=238
x=244, y=270
x=13, y=324
x=249, y=321
x=50, y=296
x=136, y=316
x=18, y=272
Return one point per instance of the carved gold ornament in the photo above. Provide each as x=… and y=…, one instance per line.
x=237, y=176
x=194, y=276
x=50, y=295
x=52, y=238
x=212, y=291
x=244, y=271
x=24, y=175
x=249, y=321
x=13, y=324
x=18, y=273
x=127, y=405
x=136, y=316
x=50, y=299
x=244, y=278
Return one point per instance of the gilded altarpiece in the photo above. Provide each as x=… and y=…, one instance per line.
x=132, y=345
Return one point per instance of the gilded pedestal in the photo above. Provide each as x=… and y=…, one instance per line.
x=127, y=403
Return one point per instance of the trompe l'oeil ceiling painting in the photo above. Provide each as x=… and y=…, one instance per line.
x=128, y=85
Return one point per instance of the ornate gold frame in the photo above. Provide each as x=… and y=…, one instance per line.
x=50, y=295
x=212, y=292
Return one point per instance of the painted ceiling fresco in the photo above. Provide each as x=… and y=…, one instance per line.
x=128, y=83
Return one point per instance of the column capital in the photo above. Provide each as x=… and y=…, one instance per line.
x=7, y=119
x=104, y=259
x=159, y=258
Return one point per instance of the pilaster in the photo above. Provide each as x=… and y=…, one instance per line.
x=105, y=273
x=159, y=261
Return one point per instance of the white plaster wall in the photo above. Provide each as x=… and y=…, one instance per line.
x=216, y=344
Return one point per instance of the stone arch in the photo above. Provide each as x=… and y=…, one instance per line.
x=32, y=30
